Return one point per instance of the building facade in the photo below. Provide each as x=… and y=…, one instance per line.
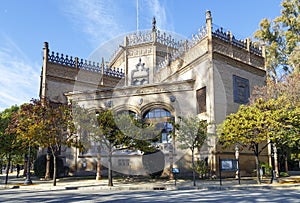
x=152, y=75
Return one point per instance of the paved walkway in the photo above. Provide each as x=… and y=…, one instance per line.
x=72, y=183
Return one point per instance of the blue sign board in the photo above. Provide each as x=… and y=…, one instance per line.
x=175, y=170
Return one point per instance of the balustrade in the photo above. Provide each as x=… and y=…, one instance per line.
x=84, y=65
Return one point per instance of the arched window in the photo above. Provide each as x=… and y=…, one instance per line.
x=157, y=113
x=128, y=112
x=161, y=117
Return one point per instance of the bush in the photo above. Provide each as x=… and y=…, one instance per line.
x=40, y=166
x=284, y=174
x=267, y=169
x=201, y=168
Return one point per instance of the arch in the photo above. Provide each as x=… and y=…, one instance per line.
x=156, y=105
x=161, y=115
x=95, y=110
x=126, y=108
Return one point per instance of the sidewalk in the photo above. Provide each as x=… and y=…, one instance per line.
x=84, y=183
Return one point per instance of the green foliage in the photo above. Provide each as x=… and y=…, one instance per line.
x=284, y=174
x=123, y=132
x=287, y=94
x=113, y=138
x=8, y=139
x=140, y=134
x=258, y=122
x=11, y=145
x=192, y=132
x=40, y=166
x=201, y=168
x=255, y=123
x=267, y=169
x=282, y=39
x=85, y=122
x=47, y=125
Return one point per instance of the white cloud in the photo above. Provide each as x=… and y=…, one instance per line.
x=159, y=11
x=19, y=78
x=99, y=19
x=103, y=20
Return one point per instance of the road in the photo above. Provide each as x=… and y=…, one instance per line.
x=21, y=195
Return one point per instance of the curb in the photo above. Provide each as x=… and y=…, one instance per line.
x=150, y=187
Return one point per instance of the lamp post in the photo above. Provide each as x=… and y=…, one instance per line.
x=28, y=180
x=273, y=151
x=237, y=156
x=172, y=149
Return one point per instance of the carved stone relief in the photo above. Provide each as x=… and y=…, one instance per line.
x=140, y=52
x=140, y=75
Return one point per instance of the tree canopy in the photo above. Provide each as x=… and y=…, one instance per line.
x=256, y=124
x=121, y=131
x=46, y=125
x=282, y=39
x=10, y=144
x=191, y=134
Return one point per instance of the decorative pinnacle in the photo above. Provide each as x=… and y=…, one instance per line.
x=208, y=14
x=153, y=24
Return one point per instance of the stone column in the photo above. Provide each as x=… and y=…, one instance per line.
x=209, y=25
x=248, y=43
x=44, y=73
x=126, y=60
x=210, y=91
x=102, y=72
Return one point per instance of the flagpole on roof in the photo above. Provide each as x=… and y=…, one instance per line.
x=137, y=15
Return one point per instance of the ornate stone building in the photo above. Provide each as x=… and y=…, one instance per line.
x=152, y=75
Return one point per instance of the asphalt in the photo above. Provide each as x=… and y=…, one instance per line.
x=87, y=183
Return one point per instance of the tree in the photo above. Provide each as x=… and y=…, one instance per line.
x=85, y=122
x=47, y=125
x=191, y=134
x=289, y=89
x=287, y=140
x=10, y=144
x=255, y=125
x=282, y=39
x=118, y=133
x=142, y=135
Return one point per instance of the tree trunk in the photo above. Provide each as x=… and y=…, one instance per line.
x=11, y=167
x=47, y=174
x=25, y=166
x=257, y=163
x=110, y=181
x=54, y=170
x=193, y=166
x=1, y=165
x=7, y=169
x=98, y=177
x=286, y=163
x=257, y=169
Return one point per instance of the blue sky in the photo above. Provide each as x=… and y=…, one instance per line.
x=78, y=27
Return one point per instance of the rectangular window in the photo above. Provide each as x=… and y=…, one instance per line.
x=123, y=162
x=241, y=92
x=201, y=100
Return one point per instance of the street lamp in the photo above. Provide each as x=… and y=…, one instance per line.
x=28, y=180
